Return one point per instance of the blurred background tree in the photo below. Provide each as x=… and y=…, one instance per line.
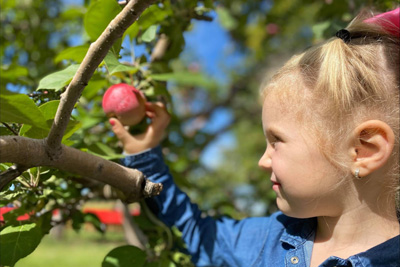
x=216, y=55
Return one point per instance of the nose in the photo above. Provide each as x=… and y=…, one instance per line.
x=265, y=161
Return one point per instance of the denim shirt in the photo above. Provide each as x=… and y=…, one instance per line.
x=277, y=240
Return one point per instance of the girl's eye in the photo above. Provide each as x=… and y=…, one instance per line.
x=274, y=141
x=273, y=144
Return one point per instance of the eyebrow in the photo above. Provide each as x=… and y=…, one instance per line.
x=272, y=131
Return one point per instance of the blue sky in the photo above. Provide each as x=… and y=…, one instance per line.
x=214, y=55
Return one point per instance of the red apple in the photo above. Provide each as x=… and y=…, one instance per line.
x=125, y=103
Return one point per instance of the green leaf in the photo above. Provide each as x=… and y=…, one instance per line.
x=125, y=256
x=76, y=54
x=99, y=15
x=154, y=14
x=13, y=73
x=149, y=34
x=208, y=3
x=104, y=151
x=17, y=242
x=4, y=166
x=226, y=19
x=33, y=132
x=59, y=79
x=19, y=108
x=88, y=120
x=8, y=196
x=73, y=13
x=93, y=87
x=114, y=66
x=45, y=221
x=5, y=131
x=319, y=29
x=77, y=220
x=186, y=78
x=132, y=31
x=95, y=221
x=49, y=111
x=37, y=133
x=156, y=90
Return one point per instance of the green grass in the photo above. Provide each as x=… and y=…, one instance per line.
x=84, y=249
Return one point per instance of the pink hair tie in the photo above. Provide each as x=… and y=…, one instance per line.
x=390, y=21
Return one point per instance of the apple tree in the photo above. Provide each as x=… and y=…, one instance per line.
x=56, y=147
x=46, y=162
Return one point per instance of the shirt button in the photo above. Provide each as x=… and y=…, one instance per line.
x=294, y=260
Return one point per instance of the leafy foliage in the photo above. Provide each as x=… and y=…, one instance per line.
x=19, y=241
x=45, y=41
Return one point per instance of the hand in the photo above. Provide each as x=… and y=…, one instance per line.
x=153, y=135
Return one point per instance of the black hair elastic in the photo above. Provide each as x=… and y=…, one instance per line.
x=344, y=35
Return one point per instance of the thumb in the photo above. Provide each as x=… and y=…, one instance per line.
x=119, y=130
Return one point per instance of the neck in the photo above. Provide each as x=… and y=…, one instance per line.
x=360, y=226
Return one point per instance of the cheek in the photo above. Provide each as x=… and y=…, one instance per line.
x=295, y=171
x=283, y=167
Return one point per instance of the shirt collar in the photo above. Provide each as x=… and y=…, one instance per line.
x=384, y=254
x=297, y=231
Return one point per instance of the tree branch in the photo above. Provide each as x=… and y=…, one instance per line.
x=29, y=153
x=160, y=48
x=133, y=235
x=224, y=102
x=10, y=174
x=96, y=53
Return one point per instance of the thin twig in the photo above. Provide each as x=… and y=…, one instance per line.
x=9, y=128
x=202, y=17
x=10, y=174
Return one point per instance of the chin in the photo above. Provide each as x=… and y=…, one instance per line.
x=294, y=212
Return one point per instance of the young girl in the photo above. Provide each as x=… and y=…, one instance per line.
x=331, y=121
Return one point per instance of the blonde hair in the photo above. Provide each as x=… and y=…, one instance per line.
x=345, y=83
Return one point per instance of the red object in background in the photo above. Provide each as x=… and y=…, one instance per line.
x=7, y=209
x=110, y=216
x=106, y=216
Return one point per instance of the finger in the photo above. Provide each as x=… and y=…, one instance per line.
x=150, y=114
x=157, y=111
x=119, y=130
x=155, y=106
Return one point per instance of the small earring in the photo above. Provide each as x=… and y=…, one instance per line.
x=356, y=174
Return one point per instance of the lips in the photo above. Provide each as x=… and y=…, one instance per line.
x=275, y=184
x=274, y=181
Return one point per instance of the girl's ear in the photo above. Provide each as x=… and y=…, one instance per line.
x=373, y=147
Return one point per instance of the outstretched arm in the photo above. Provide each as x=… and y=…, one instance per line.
x=223, y=242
